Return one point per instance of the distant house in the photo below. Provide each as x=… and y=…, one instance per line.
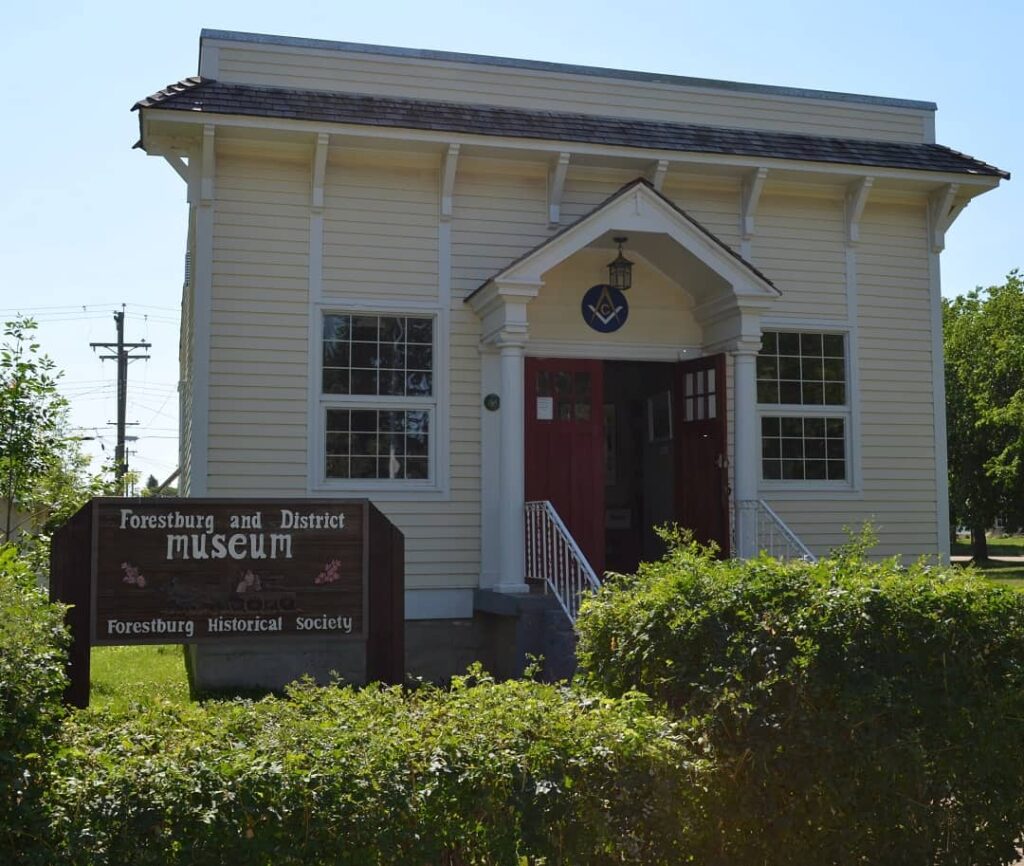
x=405, y=285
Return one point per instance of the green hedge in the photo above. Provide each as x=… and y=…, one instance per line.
x=32, y=680
x=854, y=712
x=481, y=773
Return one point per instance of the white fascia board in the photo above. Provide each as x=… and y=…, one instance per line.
x=552, y=147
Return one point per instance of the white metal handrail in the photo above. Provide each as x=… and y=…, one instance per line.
x=552, y=556
x=771, y=533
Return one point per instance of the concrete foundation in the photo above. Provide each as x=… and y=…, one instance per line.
x=504, y=632
x=272, y=664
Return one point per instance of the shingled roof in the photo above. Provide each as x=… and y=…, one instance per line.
x=215, y=97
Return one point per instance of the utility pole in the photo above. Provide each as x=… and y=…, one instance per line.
x=123, y=356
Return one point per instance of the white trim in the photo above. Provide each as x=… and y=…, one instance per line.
x=381, y=306
x=443, y=360
x=856, y=198
x=657, y=174
x=449, y=168
x=438, y=485
x=852, y=486
x=556, y=187
x=642, y=156
x=750, y=196
x=638, y=208
x=610, y=351
x=939, y=409
x=204, y=173
x=853, y=398
x=941, y=213
x=178, y=164
x=490, y=471
x=454, y=603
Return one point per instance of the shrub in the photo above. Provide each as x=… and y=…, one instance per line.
x=483, y=773
x=32, y=680
x=854, y=712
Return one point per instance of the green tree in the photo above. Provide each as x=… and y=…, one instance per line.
x=33, y=417
x=984, y=345
x=45, y=475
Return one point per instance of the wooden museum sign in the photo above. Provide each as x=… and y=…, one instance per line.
x=163, y=570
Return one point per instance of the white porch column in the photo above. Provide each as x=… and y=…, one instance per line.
x=512, y=471
x=745, y=449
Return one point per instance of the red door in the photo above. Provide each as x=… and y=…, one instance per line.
x=565, y=446
x=701, y=464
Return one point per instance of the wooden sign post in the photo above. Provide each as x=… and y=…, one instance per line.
x=163, y=570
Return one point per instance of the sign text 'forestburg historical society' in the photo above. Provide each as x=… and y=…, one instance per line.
x=175, y=571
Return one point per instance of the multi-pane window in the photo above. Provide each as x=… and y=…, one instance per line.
x=802, y=391
x=378, y=392
x=812, y=449
x=386, y=355
x=801, y=369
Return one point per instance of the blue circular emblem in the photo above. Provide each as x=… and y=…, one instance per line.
x=605, y=309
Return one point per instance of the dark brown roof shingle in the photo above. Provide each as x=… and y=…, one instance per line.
x=215, y=97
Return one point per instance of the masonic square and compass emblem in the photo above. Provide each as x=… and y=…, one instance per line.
x=605, y=308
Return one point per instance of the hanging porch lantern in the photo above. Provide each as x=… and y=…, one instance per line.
x=620, y=271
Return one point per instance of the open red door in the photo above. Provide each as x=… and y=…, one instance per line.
x=565, y=446
x=701, y=464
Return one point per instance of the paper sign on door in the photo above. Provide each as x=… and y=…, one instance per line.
x=545, y=408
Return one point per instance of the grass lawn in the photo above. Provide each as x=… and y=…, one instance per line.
x=1006, y=573
x=1010, y=545
x=126, y=675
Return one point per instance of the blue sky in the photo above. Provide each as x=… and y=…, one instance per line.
x=85, y=221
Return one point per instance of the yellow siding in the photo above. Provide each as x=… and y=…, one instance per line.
x=380, y=230
x=799, y=244
x=499, y=214
x=896, y=392
x=258, y=328
x=281, y=66
x=716, y=206
x=381, y=240
x=442, y=544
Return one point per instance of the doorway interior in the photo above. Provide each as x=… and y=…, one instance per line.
x=620, y=447
x=639, y=469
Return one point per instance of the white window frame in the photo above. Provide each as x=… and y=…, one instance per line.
x=846, y=411
x=436, y=483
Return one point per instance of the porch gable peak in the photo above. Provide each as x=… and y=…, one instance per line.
x=636, y=207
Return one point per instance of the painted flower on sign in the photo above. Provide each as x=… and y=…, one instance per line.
x=132, y=576
x=331, y=572
x=249, y=583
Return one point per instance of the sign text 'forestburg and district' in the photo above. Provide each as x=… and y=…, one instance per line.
x=174, y=571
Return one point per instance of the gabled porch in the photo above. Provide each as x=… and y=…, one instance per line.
x=694, y=310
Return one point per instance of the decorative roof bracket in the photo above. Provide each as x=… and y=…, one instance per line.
x=178, y=164
x=316, y=201
x=206, y=166
x=753, y=183
x=942, y=210
x=556, y=187
x=448, y=168
x=856, y=198
x=657, y=173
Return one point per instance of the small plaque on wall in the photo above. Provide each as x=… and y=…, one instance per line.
x=545, y=408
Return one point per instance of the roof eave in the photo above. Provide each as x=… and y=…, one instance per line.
x=986, y=179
